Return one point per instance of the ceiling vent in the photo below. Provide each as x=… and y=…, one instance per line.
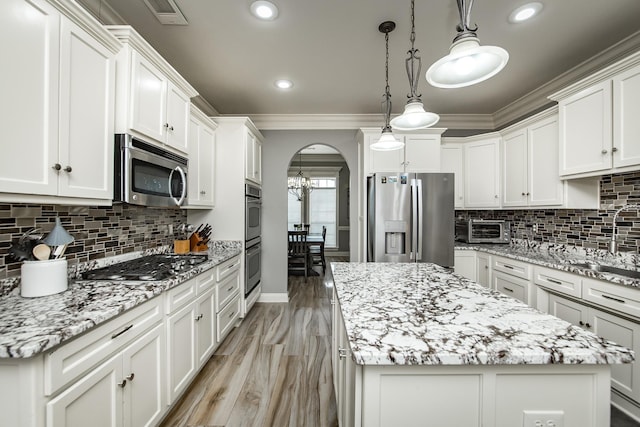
x=166, y=11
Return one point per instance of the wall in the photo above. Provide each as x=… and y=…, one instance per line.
x=585, y=228
x=278, y=149
x=99, y=232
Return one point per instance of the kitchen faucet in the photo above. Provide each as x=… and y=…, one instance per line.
x=613, y=244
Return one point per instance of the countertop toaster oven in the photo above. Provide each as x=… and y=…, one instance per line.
x=483, y=231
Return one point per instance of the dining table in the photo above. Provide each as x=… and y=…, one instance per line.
x=314, y=240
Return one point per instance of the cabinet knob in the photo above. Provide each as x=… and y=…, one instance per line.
x=587, y=325
x=68, y=169
x=581, y=323
x=170, y=127
x=122, y=383
x=604, y=151
x=130, y=376
x=496, y=196
x=203, y=192
x=57, y=167
x=614, y=149
x=523, y=193
x=527, y=193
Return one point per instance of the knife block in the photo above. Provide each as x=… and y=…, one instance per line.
x=180, y=246
x=197, y=244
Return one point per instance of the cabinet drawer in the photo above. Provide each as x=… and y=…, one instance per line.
x=227, y=318
x=180, y=295
x=226, y=290
x=511, y=286
x=71, y=360
x=559, y=281
x=205, y=282
x=515, y=268
x=619, y=298
x=228, y=267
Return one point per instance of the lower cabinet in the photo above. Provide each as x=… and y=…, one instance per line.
x=228, y=296
x=512, y=278
x=483, y=269
x=464, y=263
x=344, y=370
x=125, y=390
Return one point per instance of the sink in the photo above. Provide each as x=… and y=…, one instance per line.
x=634, y=274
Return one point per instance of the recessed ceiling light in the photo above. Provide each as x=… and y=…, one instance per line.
x=525, y=12
x=284, y=84
x=264, y=10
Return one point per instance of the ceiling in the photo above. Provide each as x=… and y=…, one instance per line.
x=333, y=52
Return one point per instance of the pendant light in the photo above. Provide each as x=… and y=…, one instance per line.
x=387, y=141
x=414, y=116
x=299, y=185
x=467, y=63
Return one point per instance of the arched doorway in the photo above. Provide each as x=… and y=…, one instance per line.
x=318, y=198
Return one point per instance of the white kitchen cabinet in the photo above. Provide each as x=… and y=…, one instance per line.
x=201, y=160
x=153, y=101
x=512, y=278
x=421, y=152
x=206, y=327
x=228, y=296
x=482, y=172
x=530, y=164
x=253, y=158
x=344, y=370
x=464, y=263
x=483, y=269
x=59, y=98
x=598, y=121
x=127, y=390
x=452, y=160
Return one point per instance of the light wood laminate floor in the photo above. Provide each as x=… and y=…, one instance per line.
x=272, y=370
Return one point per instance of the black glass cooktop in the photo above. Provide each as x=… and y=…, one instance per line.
x=147, y=268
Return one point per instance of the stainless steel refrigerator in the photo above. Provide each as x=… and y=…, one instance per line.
x=410, y=218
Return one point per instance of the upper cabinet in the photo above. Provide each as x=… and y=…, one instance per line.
x=201, y=160
x=421, y=152
x=452, y=160
x=59, y=93
x=482, y=172
x=598, y=121
x=153, y=100
x=253, y=158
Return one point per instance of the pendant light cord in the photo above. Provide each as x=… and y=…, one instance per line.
x=413, y=71
x=387, y=91
x=464, y=30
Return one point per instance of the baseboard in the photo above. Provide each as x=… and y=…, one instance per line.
x=625, y=405
x=329, y=253
x=273, y=297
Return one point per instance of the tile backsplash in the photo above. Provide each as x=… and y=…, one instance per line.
x=98, y=231
x=585, y=228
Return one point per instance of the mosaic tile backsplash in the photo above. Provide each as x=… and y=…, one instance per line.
x=99, y=232
x=584, y=228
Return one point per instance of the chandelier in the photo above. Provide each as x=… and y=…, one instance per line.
x=299, y=185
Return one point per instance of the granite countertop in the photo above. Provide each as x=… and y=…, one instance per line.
x=29, y=326
x=561, y=257
x=422, y=314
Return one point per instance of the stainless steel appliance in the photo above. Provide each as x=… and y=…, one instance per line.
x=252, y=213
x=252, y=267
x=146, y=268
x=147, y=175
x=483, y=231
x=411, y=218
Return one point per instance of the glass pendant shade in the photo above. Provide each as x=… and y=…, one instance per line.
x=387, y=142
x=466, y=64
x=414, y=117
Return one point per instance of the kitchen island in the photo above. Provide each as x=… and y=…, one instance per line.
x=415, y=344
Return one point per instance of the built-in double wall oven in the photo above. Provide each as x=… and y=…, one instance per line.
x=252, y=232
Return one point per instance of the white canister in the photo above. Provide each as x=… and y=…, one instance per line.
x=41, y=278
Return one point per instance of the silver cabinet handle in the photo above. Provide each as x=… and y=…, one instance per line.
x=116, y=335
x=232, y=314
x=508, y=289
x=56, y=167
x=230, y=289
x=68, y=169
x=621, y=301
x=508, y=266
x=130, y=376
x=557, y=282
x=122, y=383
x=342, y=353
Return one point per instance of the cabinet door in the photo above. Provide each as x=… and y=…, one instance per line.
x=569, y=311
x=143, y=370
x=205, y=327
x=253, y=159
x=585, y=130
x=385, y=161
x=177, y=123
x=149, y=99
x=347, y=384
x=464, y=264
x=95, y=400
x=181, y=345
x=482, y=174
x=29, y=88
x=87, y=88
x=515, y=161
x=206, y=164
x=624, y=377
x=512, y=286
x=422, y=153
x=483, y=271
x=626, y=110
x=452, y=160
x=545, y=186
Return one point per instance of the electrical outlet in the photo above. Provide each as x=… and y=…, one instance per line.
x=535, y=228
x=543, y=419
x=170, y=229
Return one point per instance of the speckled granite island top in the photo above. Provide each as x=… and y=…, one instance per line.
x=421, y=314
x=29, y=326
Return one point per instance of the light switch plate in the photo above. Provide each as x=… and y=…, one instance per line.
x=543, y=419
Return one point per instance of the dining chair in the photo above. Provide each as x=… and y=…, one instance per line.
x=298, y=255
x=317, y=251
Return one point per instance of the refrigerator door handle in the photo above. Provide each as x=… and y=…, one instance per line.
x=420, y=231
x=414, y=220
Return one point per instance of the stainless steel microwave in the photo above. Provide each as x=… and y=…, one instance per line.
x=148, y=175
x=483, y=231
